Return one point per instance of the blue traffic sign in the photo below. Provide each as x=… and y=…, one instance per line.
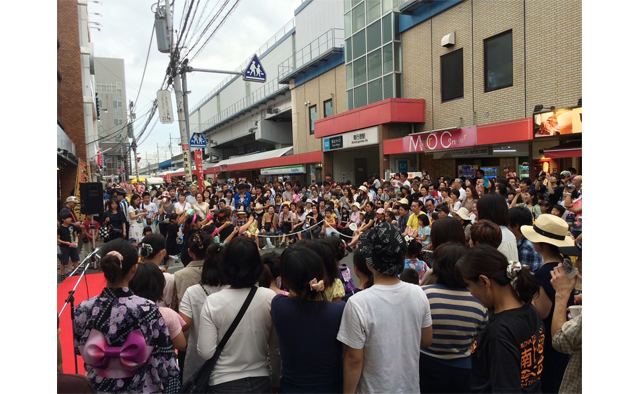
x=255, y=72
x=198, y=141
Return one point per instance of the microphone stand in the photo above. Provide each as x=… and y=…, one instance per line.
x=70, y=300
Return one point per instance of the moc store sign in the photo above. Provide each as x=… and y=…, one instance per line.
x=442, y=140
x=353, y=139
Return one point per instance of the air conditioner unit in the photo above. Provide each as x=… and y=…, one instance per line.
x=408, y=6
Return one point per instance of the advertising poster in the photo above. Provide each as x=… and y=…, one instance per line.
x=559, y=122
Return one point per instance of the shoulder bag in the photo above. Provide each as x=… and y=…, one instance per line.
x=199, y=381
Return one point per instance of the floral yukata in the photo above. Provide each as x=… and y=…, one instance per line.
x=126, y=314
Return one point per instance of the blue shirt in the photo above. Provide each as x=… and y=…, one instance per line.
x=527, y=255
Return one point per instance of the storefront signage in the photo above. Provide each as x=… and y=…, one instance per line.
x=441, y=140
x=296, y=169
x=470, y=152
x=559, y=122
x=353, y=139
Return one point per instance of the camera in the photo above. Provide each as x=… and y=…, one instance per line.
x=571, y=187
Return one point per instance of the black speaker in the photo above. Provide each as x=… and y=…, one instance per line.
x=91, y=198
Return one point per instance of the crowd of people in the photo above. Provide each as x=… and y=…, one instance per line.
x=463, y=286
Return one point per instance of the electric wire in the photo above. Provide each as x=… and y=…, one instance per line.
x=184, y=26
x=207, y=27
x=188, y=43
x=216, y=29
x=145, y=64
x=195, y=11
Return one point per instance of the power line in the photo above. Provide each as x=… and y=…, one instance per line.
x=199, y=20
x=216, y=29
x=195, y=11
x=145, y=64
x=184, y=26
x=207, y=27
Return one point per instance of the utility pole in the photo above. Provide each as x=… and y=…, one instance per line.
x=134, y=144
x=181, y=102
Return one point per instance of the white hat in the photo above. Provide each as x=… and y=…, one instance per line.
x=404, y=201
x=355, y=204
x=363, y=188
x=258, y=208
x=548, y=229
x=72, y=199
x=463, y=213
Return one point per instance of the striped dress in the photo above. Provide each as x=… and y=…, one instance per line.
x=457, y=317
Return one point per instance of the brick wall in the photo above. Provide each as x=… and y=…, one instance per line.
x=70, y=88
x=547, y=60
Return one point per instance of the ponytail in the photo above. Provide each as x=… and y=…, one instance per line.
x=116, y=259
x=488, y=261
x=198, y=244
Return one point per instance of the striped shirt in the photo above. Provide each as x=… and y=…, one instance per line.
x=124, y=205
x=457, y=316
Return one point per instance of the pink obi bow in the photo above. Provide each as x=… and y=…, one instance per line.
x=115, y=362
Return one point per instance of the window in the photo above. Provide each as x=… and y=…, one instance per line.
x=498, y=61
x=313, y=116
x=328, y=108
x=451, y=76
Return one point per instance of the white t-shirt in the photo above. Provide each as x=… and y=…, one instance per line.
x=152, y=209
x=245, y=355
x=463, y=194
x=509, y=245
x=191, y=306
x=134, y=211
x=387, y=322
x=181, y=207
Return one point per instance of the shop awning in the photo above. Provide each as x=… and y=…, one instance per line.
x=248, y=162
x=253, y=157
x=569, y=149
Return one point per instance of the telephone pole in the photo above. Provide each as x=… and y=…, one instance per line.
x=134, y=145
x=164, y=35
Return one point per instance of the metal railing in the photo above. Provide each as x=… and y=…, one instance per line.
x=333, y=38
x=269, y=89
x=270, y=42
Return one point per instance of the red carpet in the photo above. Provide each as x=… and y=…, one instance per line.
x=95, y=283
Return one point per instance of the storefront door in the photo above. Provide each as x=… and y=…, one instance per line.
x=360, y=166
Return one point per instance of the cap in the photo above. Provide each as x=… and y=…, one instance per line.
x=72, y=199
x=380, y=211
x=565, y=174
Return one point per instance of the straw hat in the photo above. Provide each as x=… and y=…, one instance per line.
x=355, y=204
x=548, y=229
x=363, y=188
x=404, y=201
x=463, y=213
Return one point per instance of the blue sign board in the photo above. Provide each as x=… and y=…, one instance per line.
x=198, y=141
x=255, y=72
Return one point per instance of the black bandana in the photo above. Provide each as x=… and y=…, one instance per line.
x=384, y=249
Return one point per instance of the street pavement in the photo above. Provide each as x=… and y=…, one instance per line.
x=175, y=266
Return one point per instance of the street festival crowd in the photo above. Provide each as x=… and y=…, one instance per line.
x=465, y=285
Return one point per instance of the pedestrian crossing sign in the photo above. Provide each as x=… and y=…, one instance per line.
x=198, y=141
x=255, y=72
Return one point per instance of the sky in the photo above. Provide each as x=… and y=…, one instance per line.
x=125, y=33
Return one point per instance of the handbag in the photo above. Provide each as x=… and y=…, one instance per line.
x=199, y=381
x=103, y=232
